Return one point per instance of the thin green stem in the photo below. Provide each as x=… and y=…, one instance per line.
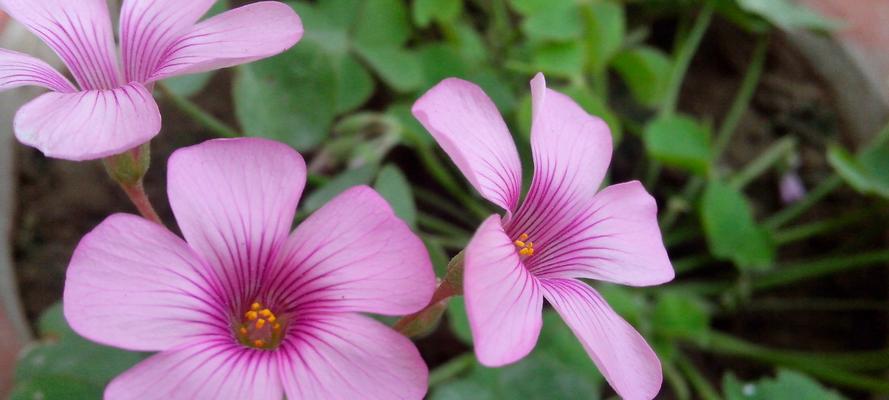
x=683, y=58
x=742, y=99
x=771, y=156
x=442, y=226
x=788, y=214
x=803, y=232
x=813, y=269
x=444, y=205
x=703, y=387
x=198, y=114
x=441, y=175
x=676, y=381
x=817, y=365
x=451, y=369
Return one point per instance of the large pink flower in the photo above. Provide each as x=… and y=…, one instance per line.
x=113, y=110
x=242, y=310
x=562, y=232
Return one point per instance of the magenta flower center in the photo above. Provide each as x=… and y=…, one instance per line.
x=524, y=246
x=260, y=328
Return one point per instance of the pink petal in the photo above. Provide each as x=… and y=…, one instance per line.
x=235, y=200
x=133, y=284
x=466, y=124
x=349, y=356
x=89, y=125
x=572, y=150
x=149, y=27
x=215, y=368
x=621, y=354
x=239, y=36
x=503, y=300
x=17, y=69
x=354, y=254
x=616, y=239
x=79, y=32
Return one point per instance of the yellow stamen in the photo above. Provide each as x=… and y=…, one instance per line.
x=519, y=243
x=260, y=323
x=266, y=313
x=255, y=306
x=258, y=343
x=530, y=245
x=272, y=318
x=251, y=315
x=523, y=237
x=277, y=327
x=526, y=251
x=243, y=330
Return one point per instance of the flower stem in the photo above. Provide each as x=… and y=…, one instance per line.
x=698, y=380
x=451, y=285
x=817, y=365
x=788, y=214
x=676, y=381
x=136, y=193
x=440, y=173
x=451, y=369
x=771, y=156
x=683, y=59
x=204, y=118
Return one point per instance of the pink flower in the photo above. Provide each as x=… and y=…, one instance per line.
x=562, y=232
x=239, y=309
x=112, y=110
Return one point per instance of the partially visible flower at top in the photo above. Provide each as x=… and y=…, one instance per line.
x=111, y=109
x=240, y=310
x=562, y=232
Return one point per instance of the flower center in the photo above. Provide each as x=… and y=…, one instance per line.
x=525, y=247
x=260, y=328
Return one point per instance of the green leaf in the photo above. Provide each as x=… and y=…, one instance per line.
x=787, y=15
x=731, y=231
x=530, y=7
x=458, y=321
x=340, y=183
x=440, y=61
x=681, y=315
x=543, y=376
x=557, y=340
x=397, y=67
x=394, y=187
x=627, y=303
x=555, y=22
x=354, y=84
x=291, y=98
x=62, y=357
x=444, y=11
x=563, y=59
x=438, y=256
x=463, y=390
x=56, y=388
x=605, y=32
x=381, y=23
x=413, y=134
x=787, y=385
x=646, y=71
x=680, y=142
x=730, y=10
x=869, y=172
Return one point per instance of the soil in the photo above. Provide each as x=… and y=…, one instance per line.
x=61, y=201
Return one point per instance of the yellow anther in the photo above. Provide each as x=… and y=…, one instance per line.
x=243, y=330
x=251, y=315
x=523, y=237
x=277, y=327
x=266, y=313
x=519, y=243
x=272, y=318
x=526, y=251
x=260, y=323
x=258, y=343
x=255, y=306
x=530, y=245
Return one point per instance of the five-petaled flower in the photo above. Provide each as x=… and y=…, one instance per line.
x=112, y=110
x=562, y=232
x=239, y=309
